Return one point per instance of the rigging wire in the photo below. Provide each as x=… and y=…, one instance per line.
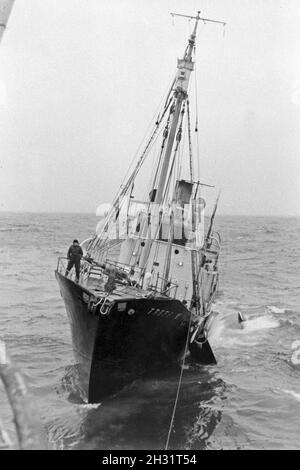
x=197, y=117
x=190, y=142
x=122, y=191
x=158, y=121
x=165, y=136
x=181, y=153
x=154, y=118
x=157, y=161
x=96, y=240
x=178, y=139
x=170, y=173
x=179, y=383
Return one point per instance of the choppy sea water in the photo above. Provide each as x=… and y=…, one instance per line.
x=249, y=400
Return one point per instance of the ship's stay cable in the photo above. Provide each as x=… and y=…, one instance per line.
x=178, y=140
x=94, y=244
x=153, y=120
x=165, y=132
x=165, y=136
x=158, y=119
x=179, y=383
x=197, y=117
x=190, y=142
x=167, y=186
x=158, y=159
x=163, y=203
x=180, y=155
x=171, y=172
x=166, y=194
x=219, y=64
x=141, y=160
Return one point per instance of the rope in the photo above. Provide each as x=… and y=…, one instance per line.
x=151, y=123
x=197, y=121
x=181, y=153
x=190, y=141
x=97, y=240
x=179, y=384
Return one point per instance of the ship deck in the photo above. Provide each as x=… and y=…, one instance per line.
x=93, y=281
x=121, y=291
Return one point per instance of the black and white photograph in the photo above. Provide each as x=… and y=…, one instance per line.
x=149, y=228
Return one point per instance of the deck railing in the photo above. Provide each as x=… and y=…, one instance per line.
x=132, y=276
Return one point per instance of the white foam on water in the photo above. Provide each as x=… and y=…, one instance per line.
x=5, y=440
x=227, y=332
x=216, y=330
x=295, y=359
x=275, y=309
x=295, y=344
x=89, y=406
x=261, y=323
x=295, y=395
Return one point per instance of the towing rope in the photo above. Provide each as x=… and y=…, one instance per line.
x=179, y=384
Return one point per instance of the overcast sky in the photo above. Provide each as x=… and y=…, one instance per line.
x=81, y=79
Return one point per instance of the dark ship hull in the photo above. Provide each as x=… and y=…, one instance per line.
x=136, y=336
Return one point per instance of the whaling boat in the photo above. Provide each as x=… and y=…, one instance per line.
x=148, y=277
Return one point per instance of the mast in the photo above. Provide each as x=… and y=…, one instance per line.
x=185, y=67
x=5, y=9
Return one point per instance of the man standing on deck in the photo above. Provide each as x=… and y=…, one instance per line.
x=74, y=256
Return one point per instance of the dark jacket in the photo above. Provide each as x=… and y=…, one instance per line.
x=75, y=252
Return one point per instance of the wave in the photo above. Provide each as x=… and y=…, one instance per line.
x=274, y=309
x=227, y=332
x=295, y=359
x=295, y=395
x=11, y=229
x=26, y=229
x=261, y=323
x=89, y=406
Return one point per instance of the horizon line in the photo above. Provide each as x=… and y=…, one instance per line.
x=94, y=213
